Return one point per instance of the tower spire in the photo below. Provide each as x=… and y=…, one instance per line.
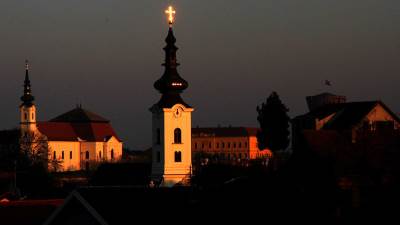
x=171, y=84
x=27, y=98
x=172, y=154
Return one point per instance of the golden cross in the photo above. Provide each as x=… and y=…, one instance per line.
x=170, y=13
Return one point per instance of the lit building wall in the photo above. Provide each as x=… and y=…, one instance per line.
x=229, y=148
x=112, y=150
x=165, y=149
x=67, y=153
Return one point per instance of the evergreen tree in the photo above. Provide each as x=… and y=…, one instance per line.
x=274, y=124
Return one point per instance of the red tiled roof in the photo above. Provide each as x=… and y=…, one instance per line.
x=63, y=131
x=47, y=202
x=225, y=131
x=27, y=212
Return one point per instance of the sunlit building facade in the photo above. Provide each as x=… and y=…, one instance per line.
x=229, y=144
x=75, y=140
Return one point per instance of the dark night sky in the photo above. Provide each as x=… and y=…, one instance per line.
x=234, y=53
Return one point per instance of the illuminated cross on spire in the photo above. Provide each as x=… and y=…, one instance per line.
x=170, y=12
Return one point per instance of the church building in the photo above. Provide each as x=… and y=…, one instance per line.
x=75, y=140
x=171, y=122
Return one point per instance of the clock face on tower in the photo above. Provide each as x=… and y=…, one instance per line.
x=178, y=112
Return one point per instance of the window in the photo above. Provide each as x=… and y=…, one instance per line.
x=70, y=154
x=217, y=145
x=33, y=116
x=240, y=144
x=62, y=154
x=177, y=136
x=223, y=145
x=100, y=154
x=178, y=156
x=112, y=153
x=245, y=144
x=158, y=156
x=195, y=145
x=25, y=116
x=229, y=145
x=209, y=145
x=234, y=144
x=202, y=145
x=54, y=155
x=240, y=155
x=87, y=155
x=158, y=141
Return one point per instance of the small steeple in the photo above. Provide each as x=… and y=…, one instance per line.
x=27, y=99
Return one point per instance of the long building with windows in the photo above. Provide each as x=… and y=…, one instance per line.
x=228, y=143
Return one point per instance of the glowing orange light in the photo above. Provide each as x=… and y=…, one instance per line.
x=176, y=84
x=170, y=12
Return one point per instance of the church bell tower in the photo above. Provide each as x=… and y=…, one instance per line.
x=27, y=108
x=171, y=121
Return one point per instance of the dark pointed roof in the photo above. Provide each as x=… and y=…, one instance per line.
x=346, y=115
x=171, y=84
x=27, y=99
x=79, y=115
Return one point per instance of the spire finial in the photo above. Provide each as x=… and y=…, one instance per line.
x=27, y=98
x=26, y=64
x=170, y=12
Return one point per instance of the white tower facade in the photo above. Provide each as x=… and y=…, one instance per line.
x=172, y=153
x=171, y=123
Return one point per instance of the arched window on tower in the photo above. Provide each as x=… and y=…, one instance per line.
x=33, y=116
x=87, y=155
x=112, y=153
x=177, y=136
x=178, y=156
x=26, y=116
x=54, y=155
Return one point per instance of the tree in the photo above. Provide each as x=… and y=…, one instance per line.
x=26, y=156
x=274, y=124
x=35, y=149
